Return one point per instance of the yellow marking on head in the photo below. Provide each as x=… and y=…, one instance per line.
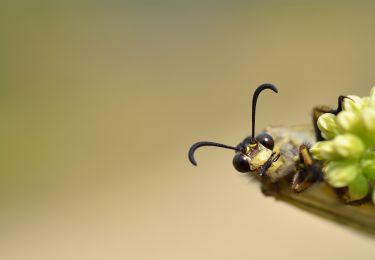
x=260, y=158
x=251, y=148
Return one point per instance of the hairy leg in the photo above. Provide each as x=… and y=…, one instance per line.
x=309, y=170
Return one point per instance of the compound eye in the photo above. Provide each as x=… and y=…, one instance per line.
x=248, y=140
x=266, y=140
x=240, y=163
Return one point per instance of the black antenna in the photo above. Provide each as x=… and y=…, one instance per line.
x=200, y=144
x=238, y=148
x=255, y=98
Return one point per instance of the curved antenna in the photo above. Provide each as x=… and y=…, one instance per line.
x=200, y=144
x=255, y=98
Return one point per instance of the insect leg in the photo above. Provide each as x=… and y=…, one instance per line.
x=308, y=173
x=273, y=158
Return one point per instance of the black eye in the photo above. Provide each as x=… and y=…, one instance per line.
x=266, y=140
x=240, y=163
x=248, y=140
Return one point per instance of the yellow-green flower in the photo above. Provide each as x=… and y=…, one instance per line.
x=341, y=173
x=348, y=151
x=328, y=125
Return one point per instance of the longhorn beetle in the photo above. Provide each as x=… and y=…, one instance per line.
x=275, y=159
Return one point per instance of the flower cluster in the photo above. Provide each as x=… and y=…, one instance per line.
x=349, y=146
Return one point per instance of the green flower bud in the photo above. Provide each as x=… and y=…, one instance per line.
x=328, y=126
x=352, y=103
x=368, y=164
x=348, y=146
x=368, y=118
x=340, y=173
x=324, y=150
x=349, y=121
x=315, y=150
x=366, y=102
x=358, y=188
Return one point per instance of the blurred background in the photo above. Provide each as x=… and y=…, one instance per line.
x=100, y=101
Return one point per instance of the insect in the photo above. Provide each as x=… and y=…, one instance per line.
x=272, y=159
x=279, y=157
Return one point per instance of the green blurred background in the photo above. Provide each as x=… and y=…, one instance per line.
x=100, y=101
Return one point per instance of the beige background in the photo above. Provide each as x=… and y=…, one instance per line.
x=100, y=102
